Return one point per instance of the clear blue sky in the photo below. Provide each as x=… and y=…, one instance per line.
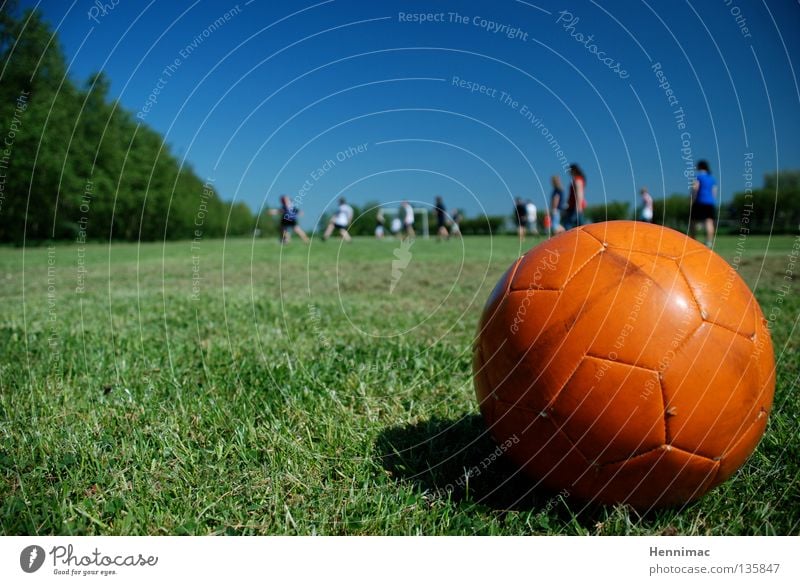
x=260, y=101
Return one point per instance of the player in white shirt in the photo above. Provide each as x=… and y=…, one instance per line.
x=530, y=217
x=396, y=226
x=647, y=205
x=341, y=221
x=455, y=229
x=408, y=219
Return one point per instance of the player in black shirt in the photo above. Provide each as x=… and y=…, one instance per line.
x=441, y=219
x=521, y=217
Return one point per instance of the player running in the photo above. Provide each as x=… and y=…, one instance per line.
x=289, y=215
x=341, y=221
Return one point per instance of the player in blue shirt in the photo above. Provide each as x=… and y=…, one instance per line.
x=704, y=202
x=289, y=214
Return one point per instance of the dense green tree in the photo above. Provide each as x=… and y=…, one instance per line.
x=483, y=225
x=784, y=181
x=672, y=211
x=36, y=101
x=775, y=208
x=364, y=218
x=80, y=165
x=241, y=220
x=609, y=211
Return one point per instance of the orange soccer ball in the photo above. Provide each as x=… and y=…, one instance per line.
x=627, y=363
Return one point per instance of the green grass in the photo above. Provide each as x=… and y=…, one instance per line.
x=296, y=395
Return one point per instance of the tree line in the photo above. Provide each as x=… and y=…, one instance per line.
x=74, y=163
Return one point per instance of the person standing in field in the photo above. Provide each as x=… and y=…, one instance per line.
x=647, y=205
x=380, y=222
x=396, y=227
x=704, y=202
x=455, y=229
x=577, y=198
x=408, y=219
x=441, y=219
x=341, y=221
x=530, y=216
x=520, y=214
x=558, y=204
x=289, y=215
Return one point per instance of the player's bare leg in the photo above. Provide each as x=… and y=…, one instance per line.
x=709, y=232
x=301, y=234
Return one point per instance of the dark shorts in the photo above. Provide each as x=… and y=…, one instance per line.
x=288, y=224
x=340, y=227
x=703, y=211
x=572, y=219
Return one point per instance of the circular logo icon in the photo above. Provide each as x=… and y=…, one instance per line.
x=31, y=558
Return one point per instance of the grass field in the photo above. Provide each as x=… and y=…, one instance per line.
x=241, y=387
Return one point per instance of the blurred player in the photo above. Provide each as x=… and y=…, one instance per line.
x=520, y=214
x=289, y=214
x=380, y=222
x=441, y=219
x=407, y=213
x=340, y=221
x=577, y=198
x=530, y=217
x=557, y=205
x=396, y=227
x=647, y=205
x=455, y=228
x=704, y=202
